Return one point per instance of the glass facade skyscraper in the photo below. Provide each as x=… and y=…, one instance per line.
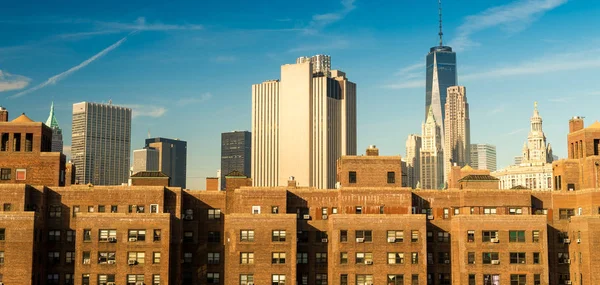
x=441, y=74
x=236, y=153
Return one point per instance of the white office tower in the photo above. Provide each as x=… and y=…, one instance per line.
x=145, y=159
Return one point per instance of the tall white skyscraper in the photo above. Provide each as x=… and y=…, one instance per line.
x=145, y=159
x=302, y=124
x=413, y=160
x=483, y=156
x=101, y=143
x=458, y=129
x=57, y=137
x=432, y=155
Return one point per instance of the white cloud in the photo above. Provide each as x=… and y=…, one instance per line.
x=10, y=82
x=512, y=17
x=516, y=131
x=56, y=78
x=407, y=84
x=407, y=77
x=67, y=151
x=319, y=21
x=141, y=24
x=411, y=68
x=139, y=110
x=193, y=100
x=224, y=58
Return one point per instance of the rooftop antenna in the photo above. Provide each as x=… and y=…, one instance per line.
x=110, y=100
x=440, y=12
x=148, y=133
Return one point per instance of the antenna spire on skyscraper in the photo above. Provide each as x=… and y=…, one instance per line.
x=440, y=12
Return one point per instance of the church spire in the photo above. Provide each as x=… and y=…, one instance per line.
x=52, y=122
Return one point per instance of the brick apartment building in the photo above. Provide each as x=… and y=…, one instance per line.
x=368, y=231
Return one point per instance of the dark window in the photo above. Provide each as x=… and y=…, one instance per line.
x=214, y=236
x=367, y=236
x=7, y=207
x=471, y=279
x=101, y=208
x=517, y=258
x=396, y=279
x=536, y=258
x=471, y=258
x=470, y=236
x=17, y=142
x=415, y=279
x=85, y=279
x=571, y=187
x=156, y=235
x=2, y=234
x=596, y=146
x=344, y=279
x=537, y=280
x=518, y=279
x=516, y=236
x=343, y=236
x=5, y=174
x=352, y=177
x=391, y=177
x=114, y=208
x=487, y=257
x=28, y=142
x=358, y=210
x=4, y=142
x=278, y=236
x=565, y=214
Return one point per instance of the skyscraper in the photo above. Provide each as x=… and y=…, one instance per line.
x=413, y=160
x=236, y=153
x=145, y=159
x=172, y=159
x=483, y=156
x=57, y=138
x=302, y=124
x=432, y=166
x=440, y=74
x=457, y=134
x=101, y=143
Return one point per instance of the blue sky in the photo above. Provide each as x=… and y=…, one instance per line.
x=186, y=67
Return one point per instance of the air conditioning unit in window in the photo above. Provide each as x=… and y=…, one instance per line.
x=86, y=261
x=391, y=239
x=112, y=262
x=360, y=239
x=430, y=217
x=567, y=261
x=495, y=262
x=447, y=261
x=368, y=283
x=568, y=282
x=324, y=240
x=495, y=240
x=139, y=283
x=250, y=283
x=325, y=217
x=578, y=240
x=112, y=239
x=188, y=217
x=132, y=262
x=566, y=241
x=110, y=283
x=132, y=239
x=306, y=217
x=368, y=262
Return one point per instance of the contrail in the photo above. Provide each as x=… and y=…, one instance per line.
x=56, y=78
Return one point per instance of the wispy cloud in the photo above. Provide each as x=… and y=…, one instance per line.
x=142, y=110
x=194, y=100
x=514, y=132
x=406, y=84
x=406, y=77
x=411, y=68
x=56, y=78
x=320, y=21
x=141, y=24
x=498, y=109
x=322, y=46
x=560, y=99
x=87, y=34
x=10, y=82
x=224, y=58
x=512, y=17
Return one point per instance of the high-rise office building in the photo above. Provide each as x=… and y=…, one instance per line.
x=101, y=143
x=236, y=154
x=483, y=156
x=57, y=138
x=172, y=159
x=145, y=159
x=457, y=134
x=432, y=155
x=302, y=124
x=413, y=160
x=440, y=74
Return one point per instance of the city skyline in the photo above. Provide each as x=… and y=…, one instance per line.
x=63, y=54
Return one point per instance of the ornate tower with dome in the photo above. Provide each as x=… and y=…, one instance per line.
x=536, y=151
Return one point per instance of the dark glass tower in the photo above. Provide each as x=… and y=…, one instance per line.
x=172, y=159
x=441, y=74
x=236, y=152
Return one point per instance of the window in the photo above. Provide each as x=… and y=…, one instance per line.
x=69, y=257
x=443, y=237
x=518, y=279
x=321, y=279
x=214, y=236
x=456, y=211
x=446, y=213
x=302, y=258
x=156, y=279
x=53, y=235
x=136, y=208
x=87, y=235
x=69, y=279
x=16, y=142
x=4, y=142
x=516, y=236
x=187, y=257
x=247, y=258
x=156, y=235
x=321, y=258
x=321, y=236
x=367, y=236
x=188, y=236
x=85, y=279
x=132, y=279
x=154, y=208
x=5, y=174
x=470, y=236
x=444, y=278
x=139, y=256
x=28, y=142
x=108, y=235
x=156, y=257
x=515, y=211
x=274, y=209
x=246, y=279
x=54, y=257
x=70, y=236
x=470, y=258
x=213, y=278
x=358, y=210
x=255, y=210
x=303, y=279
x=364, y=257
x=489, y=256
x=114, y=208
x=1, y=257
x=86, y=257
x=565, y=214
x=277, y=279
x=343, y=258
x=536, y=258
x=443, y=257
x=107, y=257
x=382, y=209
x=2, y=234
x=487, y=236
x=278, y=236
x=395, y=279
x=55, y=211
x=7, y=207
x=491, y=279
x=535, y=236
x=415, y=258
x=471, y=279
x=414, y=236
x=344, y=279
x=90, y=209
x=395, y=258
x=396, y=236
x=334, y=210
x=214, y=258
x=75, y=210
x=352, y=177
x=429, y=236
x=137, y=235
x=391, y=177
x=214, y=214
x=343, y=236
x=517, y=258
x=302, y=236
x=563, y=258
x=537, y=280
x=489, y=211
x=278, y=258
x=364, y=279
x=101, y=208
x=21, y=174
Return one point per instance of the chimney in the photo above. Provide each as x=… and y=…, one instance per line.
x=3, y=114
x=575, y=124
x=372, y=151
x=292, y=182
